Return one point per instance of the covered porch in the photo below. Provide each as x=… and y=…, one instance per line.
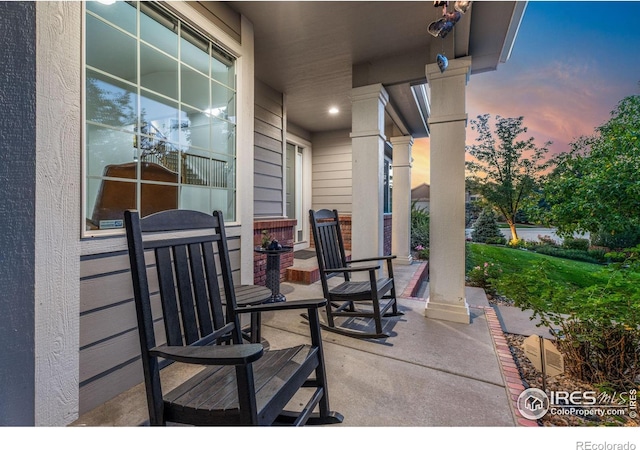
x=71, y=291
x=428, y=373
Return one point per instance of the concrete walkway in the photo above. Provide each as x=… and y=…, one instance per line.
x=516, y=321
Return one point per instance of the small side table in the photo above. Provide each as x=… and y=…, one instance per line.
x=273, y=272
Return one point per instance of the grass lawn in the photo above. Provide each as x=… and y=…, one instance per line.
x=577, y=273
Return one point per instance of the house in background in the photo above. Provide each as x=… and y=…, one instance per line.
x=420, y=196
x=211, y=105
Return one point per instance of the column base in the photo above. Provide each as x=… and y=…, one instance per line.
x=403, y=260
x=447, y=311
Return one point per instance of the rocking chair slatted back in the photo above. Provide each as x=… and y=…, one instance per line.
x=378, y=292
x=328, y=241
x=187, y=274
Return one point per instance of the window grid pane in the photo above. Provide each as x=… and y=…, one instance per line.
x=160, y=117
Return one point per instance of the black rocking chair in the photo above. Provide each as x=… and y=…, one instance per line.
x=346, y=299
x=240, y=384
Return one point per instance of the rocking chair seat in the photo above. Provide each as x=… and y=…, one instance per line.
x=360, y=290
x=211, y=395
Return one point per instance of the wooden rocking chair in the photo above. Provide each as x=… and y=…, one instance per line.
x=240, y=384
x=343, y=299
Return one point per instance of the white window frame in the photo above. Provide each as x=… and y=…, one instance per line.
x=244, y=69
x=307, y=172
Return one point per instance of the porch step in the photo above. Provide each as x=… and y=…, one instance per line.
x=304, y=271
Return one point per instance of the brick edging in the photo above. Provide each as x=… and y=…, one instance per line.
x=508, y=367
x=420, y=274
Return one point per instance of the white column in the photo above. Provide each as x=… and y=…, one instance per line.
x=245, y=162
x=367, y=140
x=446, y=209
x=57, y=206
x=401, y=199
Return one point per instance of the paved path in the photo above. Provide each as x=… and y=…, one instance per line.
x=516, y=321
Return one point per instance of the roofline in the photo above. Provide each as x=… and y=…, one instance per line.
x=512, y=31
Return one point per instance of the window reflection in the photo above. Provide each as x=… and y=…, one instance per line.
x=161, y=136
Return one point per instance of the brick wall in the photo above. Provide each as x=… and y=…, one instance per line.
x=345, y=229
x=280, y=229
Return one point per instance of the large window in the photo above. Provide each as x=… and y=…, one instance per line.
x=160, y=110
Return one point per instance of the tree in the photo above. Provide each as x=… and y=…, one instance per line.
x=486, y=228
x=506, y=170
x=595, y=187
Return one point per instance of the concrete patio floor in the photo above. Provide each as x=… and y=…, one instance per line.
x=427, y=373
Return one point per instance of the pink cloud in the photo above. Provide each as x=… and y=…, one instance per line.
x=559, y=103
x=559, y=100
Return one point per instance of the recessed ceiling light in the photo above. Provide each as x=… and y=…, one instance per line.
x=333, y=110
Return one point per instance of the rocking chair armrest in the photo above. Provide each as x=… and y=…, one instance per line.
x=378, y=258
x=228, y=355
x=280, y=306
x=352, y=269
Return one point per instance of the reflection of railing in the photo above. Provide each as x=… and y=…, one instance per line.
x=194, y=169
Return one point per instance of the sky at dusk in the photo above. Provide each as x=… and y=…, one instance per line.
x=571, y=64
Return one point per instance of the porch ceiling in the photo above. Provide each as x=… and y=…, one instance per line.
x=315, y=52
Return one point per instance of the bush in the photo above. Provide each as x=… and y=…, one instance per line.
x=576, y=244
x=484, y=276
x=547, y=240
x=616, y=241
x=422, y=252
x=486, y=229
x=599, y=326
x=519, y=243
x=419, y=227
x=576, y=255
x=599, y=254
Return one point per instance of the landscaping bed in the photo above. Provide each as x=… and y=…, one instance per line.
x=532, y=378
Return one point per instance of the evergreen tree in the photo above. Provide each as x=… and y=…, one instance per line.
x=486, y=229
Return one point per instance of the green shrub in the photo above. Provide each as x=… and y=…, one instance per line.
x=576, y=244
x=599, y=326
x=419, y=227
x=559, y=252
x=599, y=254
x=547, y=240
x=520, y=243
x=486, y=229
x=484, y=276
x=422, y=252
x=616, y=241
